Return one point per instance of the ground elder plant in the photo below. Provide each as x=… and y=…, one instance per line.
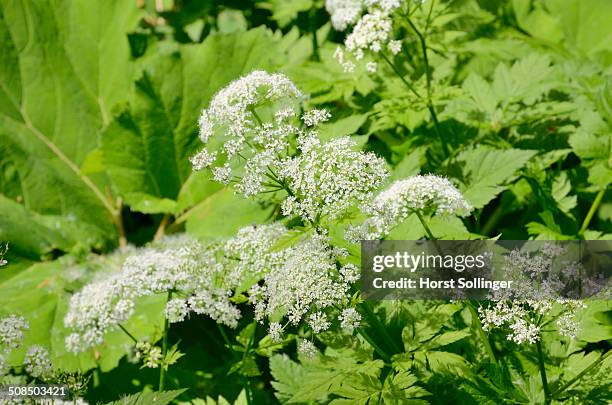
x=183, y=195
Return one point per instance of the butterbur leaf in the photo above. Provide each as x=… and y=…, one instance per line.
x=147, y=146
x=60, y=78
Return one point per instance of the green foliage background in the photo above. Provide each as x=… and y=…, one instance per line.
x=98, y=116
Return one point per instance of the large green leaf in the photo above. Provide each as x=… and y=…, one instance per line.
x=39, y=294
x=147, y=146
x=64, y=63
x=582, y=25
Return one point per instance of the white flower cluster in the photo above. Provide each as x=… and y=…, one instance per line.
x=12, y=329
x=538, y=279
x=202, y=279
x=37, y=362
x=424, y=194
x=371, y=32
x=275, y=155
x=327, y=179
x=233, y=124
x=305, y=286
x=344, y=12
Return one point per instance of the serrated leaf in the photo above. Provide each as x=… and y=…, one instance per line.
x=288, y=376
x=149, y=398
x=487, y=172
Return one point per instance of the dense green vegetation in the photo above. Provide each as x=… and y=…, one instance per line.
x=511, y=101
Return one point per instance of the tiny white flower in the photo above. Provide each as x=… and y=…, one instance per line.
x=395, y=47
x=318, y=322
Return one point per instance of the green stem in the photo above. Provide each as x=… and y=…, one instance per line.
x=399, y=74
x=128, y=333
x=427, y=230
x=543, y=372
x=580, y=375
x=162, y=369
x=481, y=332
x=312, y=21
x=374, y=321
x=245, y=381
x=375, y=346
x=592, y=210
x=428, y=78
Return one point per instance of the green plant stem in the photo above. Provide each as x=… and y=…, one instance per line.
x=543, y=372
x=312, y=22
x=580, y=375
x=592, y=210
x=428, y=78
x=162, y=369
x=374, y=321
x=245, y=381
x=481, y=332
x=375, y=346
x=399, y=74
x=127, y=333
x=427, y=230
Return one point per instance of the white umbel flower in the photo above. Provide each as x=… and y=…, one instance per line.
x=176, y=310
x=349, y=319
x=328, y=179
x=425, y=194
x=534, y=300
x=37, y=362
x=343, y=13
x=307, y=349
x=305, y=285
x=12, y=329
x=232, y=119
x=275, y=330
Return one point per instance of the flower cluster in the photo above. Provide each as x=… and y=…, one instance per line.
x=424, y=194
x=179, y=264
x=307, y=286
x=276, y=155
x=344, y=12
x=37, y=362
x=12, y=329
x=371, y=32
x=202, y=279
x=235, y=134
x=327, y=179
x=150, y=355
x=538, y=280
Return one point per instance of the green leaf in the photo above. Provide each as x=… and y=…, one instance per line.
x=487, y=172
x=149, y=204
x=65, y=63
x=222, y=214
x=148, y=144
x=288, y=376
x=149, y=398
